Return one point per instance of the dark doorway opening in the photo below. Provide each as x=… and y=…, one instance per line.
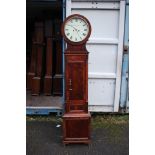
x=44, y=79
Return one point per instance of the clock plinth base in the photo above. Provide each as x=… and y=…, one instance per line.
x=36, y=86
x=47, y=85
x=30, y=76
x=76, y=128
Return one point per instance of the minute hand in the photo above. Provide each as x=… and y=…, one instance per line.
x=73, y=27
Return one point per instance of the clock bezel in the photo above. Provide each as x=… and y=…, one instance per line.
x=63, y=32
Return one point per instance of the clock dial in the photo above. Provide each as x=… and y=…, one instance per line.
x=76, y=29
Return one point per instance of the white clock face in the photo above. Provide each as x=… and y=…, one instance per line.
x=76, y=29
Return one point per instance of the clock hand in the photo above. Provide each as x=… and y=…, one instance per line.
x=76, y=30
x=78, y=34
x=73, y=27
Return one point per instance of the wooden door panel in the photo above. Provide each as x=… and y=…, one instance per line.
x=76, y=81
x=76, y=78
x=77, y=128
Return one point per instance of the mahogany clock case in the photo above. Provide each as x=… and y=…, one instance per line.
x=76, y=119
x=43, y=52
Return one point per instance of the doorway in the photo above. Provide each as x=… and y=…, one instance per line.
x=44, y=59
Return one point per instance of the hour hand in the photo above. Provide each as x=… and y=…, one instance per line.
x=79, y=35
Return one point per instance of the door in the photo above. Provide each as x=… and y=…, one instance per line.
x=105, y=47
x=76, y=82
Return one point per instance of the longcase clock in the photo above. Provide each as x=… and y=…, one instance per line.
x=76, y=30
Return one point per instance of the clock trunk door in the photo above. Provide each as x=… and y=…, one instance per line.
x=76, y=81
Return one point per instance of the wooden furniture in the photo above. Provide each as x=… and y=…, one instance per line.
x=76, y=30
x=49, y=57
x=31, y=72
x=76, y=128
x=36, y=81
x=39, y=43
x=57, y=79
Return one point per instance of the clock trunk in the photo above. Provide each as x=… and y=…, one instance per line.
x=76, y=82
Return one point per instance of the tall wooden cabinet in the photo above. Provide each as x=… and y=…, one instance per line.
x=49, y=58
x=57, y=78
x=76, y=30
x=39, y=47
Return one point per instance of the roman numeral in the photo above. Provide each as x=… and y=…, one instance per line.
x=75, y=39
x=71, y=37
x=68, y=34
x=66, y=29
x=84, y=34
x=85, y=29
